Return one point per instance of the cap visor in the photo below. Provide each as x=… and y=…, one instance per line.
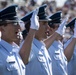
x=45, y=19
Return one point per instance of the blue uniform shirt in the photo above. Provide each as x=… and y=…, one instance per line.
x=72, y=62
x=59, y=62
x=10, y=62
x=39, y=62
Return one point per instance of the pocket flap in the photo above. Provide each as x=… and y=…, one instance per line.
x=57, y=52
x=10, y=59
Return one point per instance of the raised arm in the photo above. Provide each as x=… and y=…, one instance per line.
x=59, y=32
x=68, y=51
x=26, y=47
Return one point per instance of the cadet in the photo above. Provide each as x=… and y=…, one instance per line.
x=57, y=54
x=72, y=62
x=39, y=56
x=59, y=61
x=10, y=61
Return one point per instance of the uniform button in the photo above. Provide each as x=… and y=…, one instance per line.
x=11, y=53
x=8, y=69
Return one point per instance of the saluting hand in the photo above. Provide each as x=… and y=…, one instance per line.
x=62, y=27
x=35, y=20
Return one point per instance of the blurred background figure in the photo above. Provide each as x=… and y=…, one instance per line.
x=3, y=3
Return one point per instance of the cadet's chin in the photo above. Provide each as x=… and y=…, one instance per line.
x=45, y=36
x=16, y=39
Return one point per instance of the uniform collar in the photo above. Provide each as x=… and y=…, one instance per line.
x=6, y=45
x=38, y=43
x=57, y=44
x=15, y=47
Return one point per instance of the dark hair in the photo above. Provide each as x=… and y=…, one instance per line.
x=52, y=25
x=72, y=27
x=24, y=34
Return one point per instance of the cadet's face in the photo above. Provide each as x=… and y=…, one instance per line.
x=52, y=30
x=42, y=32
x=10, y=32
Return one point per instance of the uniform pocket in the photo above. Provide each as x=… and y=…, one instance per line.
x=41, y=57
x=57, y=55
x=42, y=61
x=60, y=59
x=12, y=68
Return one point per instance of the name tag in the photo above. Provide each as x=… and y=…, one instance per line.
x=10, y=59
x=57, y=52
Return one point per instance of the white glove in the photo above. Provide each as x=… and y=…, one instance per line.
x=35, y=20
x=75, y=30
x=62, y=27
